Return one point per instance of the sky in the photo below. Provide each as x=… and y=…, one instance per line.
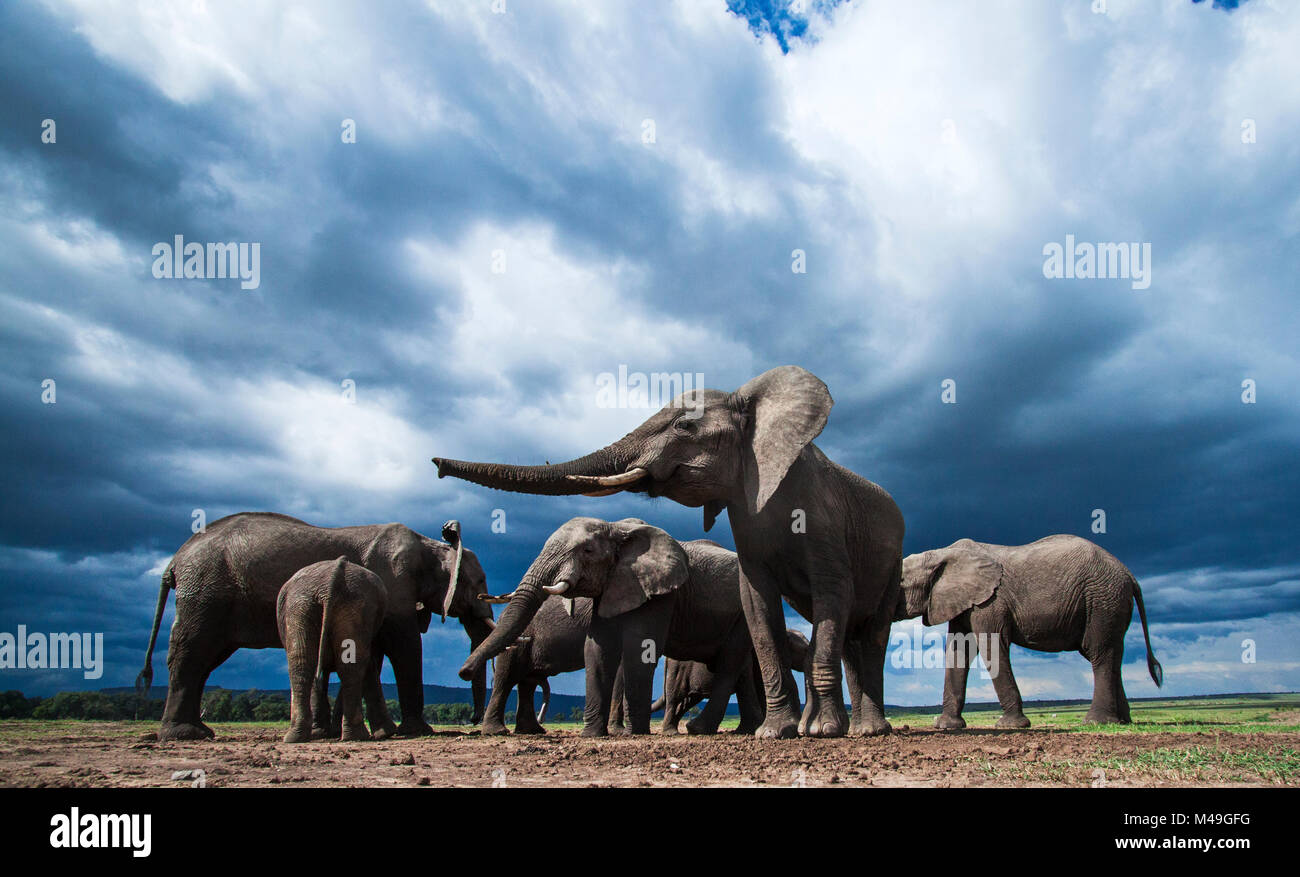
x=537, y=196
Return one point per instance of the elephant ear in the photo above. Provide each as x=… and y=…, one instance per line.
x=966, y=577
x=649, y=563
x=787, y=408
x=451, y=535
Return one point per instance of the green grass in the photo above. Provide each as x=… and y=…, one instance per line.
x=1229, y=715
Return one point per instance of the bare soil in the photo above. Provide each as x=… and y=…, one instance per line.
x=95, y=754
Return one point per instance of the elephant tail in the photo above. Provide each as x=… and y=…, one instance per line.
x=145, y=679
x=326, y=623
x=546, y=700
x=657, y=706
x=1157, y=672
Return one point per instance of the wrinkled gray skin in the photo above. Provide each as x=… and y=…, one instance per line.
x=328, y=615
x=650, y=596
x=551, y=644
x=1058, y=594
x=826, y=539
x=687, y=683
x=227, y=579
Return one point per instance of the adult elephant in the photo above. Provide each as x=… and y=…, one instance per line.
x=1058, y=594
x=649, y=596
x=805, y=528
x=227, y=579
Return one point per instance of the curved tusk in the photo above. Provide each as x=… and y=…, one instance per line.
x=629, y=477
x=419, y=607
x=606, y=492
x=557, y=588
x=504, y=598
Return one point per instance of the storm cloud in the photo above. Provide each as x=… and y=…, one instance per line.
x=538, y=197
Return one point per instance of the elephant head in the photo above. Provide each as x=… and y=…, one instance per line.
x=451, y=584
x=941, y=584
x=707, y=448
x=619, y=565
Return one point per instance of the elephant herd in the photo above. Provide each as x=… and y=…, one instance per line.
x=614, y=597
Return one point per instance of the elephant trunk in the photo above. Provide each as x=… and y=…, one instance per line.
x=525, y=602
x=604, y=471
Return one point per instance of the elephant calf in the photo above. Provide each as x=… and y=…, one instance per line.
x=328, y=615
x=1058, y=594
x=687, y=683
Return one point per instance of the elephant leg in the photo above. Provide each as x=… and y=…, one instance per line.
x=995, y=649
x=322, y=724
x=618, y=702
x=673, y=672
x=352, y=680
x=301, y=647
x=640, y=657
x=749, y=698
x=824, y=715
x=602, y=652
x=381, y=723
x=190, y=660
x=526, y=709
x=505, y=676
x=405, y=651
x=735, y=657
x=869, y=654
x=1107, y=686
x=958, y=656
x=761, y=600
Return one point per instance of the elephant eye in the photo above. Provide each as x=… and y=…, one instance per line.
x=686, y=424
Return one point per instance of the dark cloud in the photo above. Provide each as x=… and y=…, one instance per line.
x=672, y=256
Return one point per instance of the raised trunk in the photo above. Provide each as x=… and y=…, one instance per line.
x=550, y=480
x=523, y=606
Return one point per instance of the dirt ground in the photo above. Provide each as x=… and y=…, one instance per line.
x=96, y=754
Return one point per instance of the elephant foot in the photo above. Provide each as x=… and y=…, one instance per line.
x=323, y=734
x=695, y=726
x=745, y=729
x=778, y=728
x=946, y=722
x=1012, y=721
x=824, y=717
x=870, y=726
x=1100, y=717
x=385, y=731
x=531, y=730
x=494, y=729
x=414, y=728
x=669, y=730
x=184, y=731
x=298, y=735
x=354, y=732
x=594, y=731
x=620, y=731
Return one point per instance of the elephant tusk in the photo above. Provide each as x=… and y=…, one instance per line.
x=557, y=588
x=504, y=598
x=419, y=607
x=606, y=492
x=629, y=477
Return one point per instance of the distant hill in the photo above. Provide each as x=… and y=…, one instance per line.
x=564, y=704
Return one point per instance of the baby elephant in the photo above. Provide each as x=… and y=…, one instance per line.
x=1058, y=594
x=328, y=615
